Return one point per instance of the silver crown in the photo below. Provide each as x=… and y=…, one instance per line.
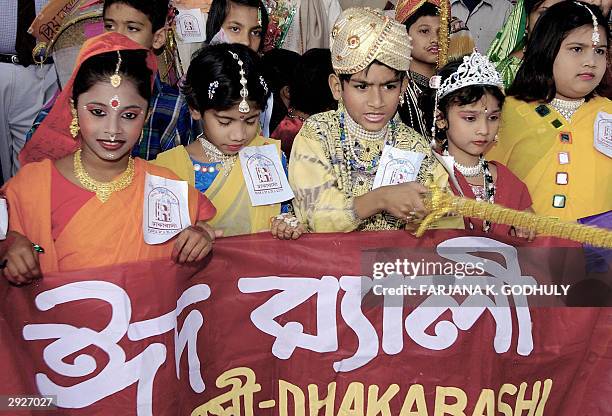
x=476, y=69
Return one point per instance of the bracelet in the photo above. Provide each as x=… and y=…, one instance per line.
x=288, y=219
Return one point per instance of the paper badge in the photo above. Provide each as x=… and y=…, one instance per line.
x=264, y=175
x=190, y=26
x=397, y=166
x=166, y=209
x=602, y=133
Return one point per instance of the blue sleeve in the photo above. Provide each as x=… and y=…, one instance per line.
x=37, y=122
x=286, y=206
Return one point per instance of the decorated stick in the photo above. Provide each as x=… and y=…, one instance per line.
x=441, y=203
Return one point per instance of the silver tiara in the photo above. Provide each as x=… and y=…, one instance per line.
x=476, y=69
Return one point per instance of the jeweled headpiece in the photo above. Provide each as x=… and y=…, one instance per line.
x=362, y=35
x=476, y=69
x=212, y=88
x=244, y=92
x=595, y=36
x=115, y=79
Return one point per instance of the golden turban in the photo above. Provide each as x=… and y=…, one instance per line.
x=362, y=35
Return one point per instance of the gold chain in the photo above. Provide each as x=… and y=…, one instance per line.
x=103, y=190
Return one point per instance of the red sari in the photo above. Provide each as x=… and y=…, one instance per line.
x=510, y=192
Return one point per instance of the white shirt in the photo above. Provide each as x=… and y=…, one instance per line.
x=484, y=21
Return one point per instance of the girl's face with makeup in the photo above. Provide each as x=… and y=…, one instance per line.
x=111, y=119
x=230, y=130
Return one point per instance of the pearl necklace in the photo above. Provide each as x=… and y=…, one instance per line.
x=356, y=132
x=103, y=190
x=470, y=171
x=566, y=108
x=348, y=144
x=214, y=155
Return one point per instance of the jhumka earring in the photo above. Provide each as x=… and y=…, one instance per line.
x=402, y=100
x=74, y=124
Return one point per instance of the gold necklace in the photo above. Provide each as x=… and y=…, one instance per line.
x=216, y=156
x=103, y=190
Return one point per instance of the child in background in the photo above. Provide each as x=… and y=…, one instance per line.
x=278, y=66
x=226, y=94
x=237, y=21
x=422, y=20
x=470, y=101
x=308, y=94
x=555, y=132
x=169, y=123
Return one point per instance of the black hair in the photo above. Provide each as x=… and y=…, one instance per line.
x=462, y=96
x=278, y=66
x=309, y=86
x=155, y=10
x=215, y=63
x=219, y=10
x=534, y=80
x=427, y=9
x=531, y=5
x=100, y=68
x=347, y=77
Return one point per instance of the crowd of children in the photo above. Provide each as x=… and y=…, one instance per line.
x=362, y=129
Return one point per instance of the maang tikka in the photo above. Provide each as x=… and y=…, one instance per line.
x=595, y=36
x=244, y=92
x=115, y=81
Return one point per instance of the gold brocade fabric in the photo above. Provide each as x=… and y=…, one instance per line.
x=325, y=187
x=362, y=35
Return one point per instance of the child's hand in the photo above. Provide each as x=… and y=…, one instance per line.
x=194, y=243
x=523, y=233
x=286, y=227
x=404, y=201
x=20, y=263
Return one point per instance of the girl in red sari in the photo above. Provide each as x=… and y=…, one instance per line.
x=83, y=200
x=469, y=99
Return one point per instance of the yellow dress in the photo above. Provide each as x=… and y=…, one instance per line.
x=235, y=213
x=567, y=177
x=324, y=189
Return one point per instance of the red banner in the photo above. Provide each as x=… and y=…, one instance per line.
x=271, y=327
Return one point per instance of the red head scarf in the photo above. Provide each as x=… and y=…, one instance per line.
x=406, y=8
x=52, y=139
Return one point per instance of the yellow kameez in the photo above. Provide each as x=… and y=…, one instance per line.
x=325, y=192
x=235, y=214
x=530, y=144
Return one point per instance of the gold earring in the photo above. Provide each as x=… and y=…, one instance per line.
x=74, y=124
x=401, y=100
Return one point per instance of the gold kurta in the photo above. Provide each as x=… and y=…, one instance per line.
x=325, y=190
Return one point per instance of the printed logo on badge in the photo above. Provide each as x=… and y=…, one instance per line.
x=188, y=26
x=263, y=173
x=398, y=171
x=603, y=133
x=164, y=209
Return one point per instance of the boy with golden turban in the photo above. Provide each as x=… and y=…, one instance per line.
x=337, y=154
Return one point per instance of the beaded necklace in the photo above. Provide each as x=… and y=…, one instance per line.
x=216, y=156
x=566, y=108
x=488, y=183
x=352, y=160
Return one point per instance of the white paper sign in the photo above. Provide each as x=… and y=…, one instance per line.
x=166, y=209
x=602, y=133
x=3, y=219
x=264, y=175
x=190, y=26
x=397, y=166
